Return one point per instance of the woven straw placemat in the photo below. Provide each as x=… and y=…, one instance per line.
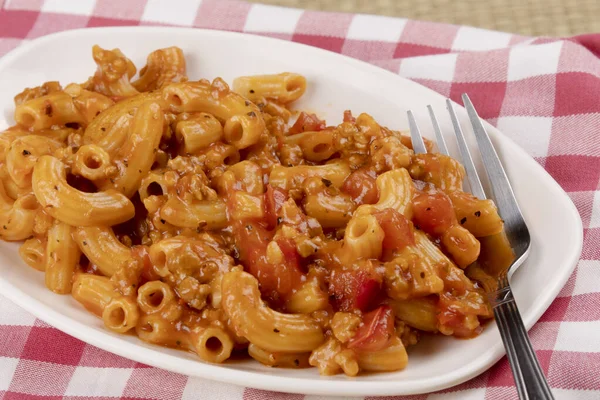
x=527, y=17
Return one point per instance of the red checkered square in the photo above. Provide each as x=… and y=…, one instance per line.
x=227, y=15
x=155, y=383
x=591, y=238
x=325, y=42
x=13, y=340
x=32, y=5
x=545, y=358
x=16, y=23
x=429, y=34
x=563, y=141
x=48, y=23
x=520, y=95
x=118, y=9
x=257, y=394
x=556, y=311
x=573, y=370
x=364, y=50
x=576, y=93
x=102, y=21
x=584, y=307
x=575, y=173
x=405, y=50
x=487, y=95
x=323, y=24
x=500, y=374
x=95, y=357
x=41, y=378
x=576, y=58
x=492, y=66
x=52, y=346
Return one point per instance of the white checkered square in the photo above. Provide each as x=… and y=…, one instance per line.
x=439, y=67
x=8, y=366
x=528, y=61
x=588, y=277
x=164, y=11
x=78, y=7
x=476, y=39
x=217, y=390
x=579, y=336
x=376, y=27
x=471, y=394
x=89, y=381
x=14, y=315
x=263, y=18
x=595, y=221
x=531, y=133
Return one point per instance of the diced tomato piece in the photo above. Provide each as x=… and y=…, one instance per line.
x=433, y=212
x=398, y=230
x=352, y=289
x=375, y=332
x=348, y=117
x=361, y=186
x=307, y=122
x=274, y=199
x=277, y=281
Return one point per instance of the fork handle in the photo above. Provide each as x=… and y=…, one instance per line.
x=529, y=378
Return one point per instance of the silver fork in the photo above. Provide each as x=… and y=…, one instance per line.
x=529, y=378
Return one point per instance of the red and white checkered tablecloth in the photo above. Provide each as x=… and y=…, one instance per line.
x=542, y=92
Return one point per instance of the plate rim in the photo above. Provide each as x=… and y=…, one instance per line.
x=350, y=386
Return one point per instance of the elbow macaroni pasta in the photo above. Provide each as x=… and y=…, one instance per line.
x=211, y=219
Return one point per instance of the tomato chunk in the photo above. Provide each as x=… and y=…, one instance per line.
x=433, y=212
x=398, y=230
x=277, y=280
x=307, y=122
x=274, y=199
x=375, y=332
x=352, y=289
x=361, y=186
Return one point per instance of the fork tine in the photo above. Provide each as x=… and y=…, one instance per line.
x=476, y=188
x=415, y=134
x=504, y=196
x=439, y=137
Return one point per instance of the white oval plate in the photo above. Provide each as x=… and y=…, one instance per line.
x=336, y=83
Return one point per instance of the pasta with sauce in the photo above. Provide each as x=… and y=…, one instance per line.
x=219, y=220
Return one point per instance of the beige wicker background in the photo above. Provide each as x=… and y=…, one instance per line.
x=527, y=17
